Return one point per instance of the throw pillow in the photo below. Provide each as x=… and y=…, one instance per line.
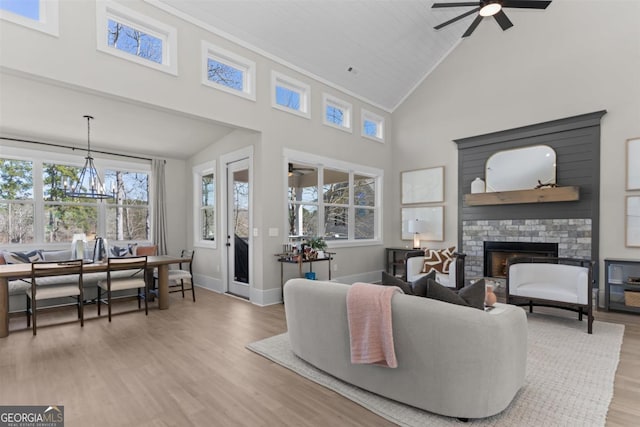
x=420, y=285
x=117, y=251
x=470, y=296
x=389, y=280
x=23, y=257
x=438, y=260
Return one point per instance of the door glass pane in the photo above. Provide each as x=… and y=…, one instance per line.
x=240, y=225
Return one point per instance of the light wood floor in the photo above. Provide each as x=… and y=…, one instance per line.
x=188, y=366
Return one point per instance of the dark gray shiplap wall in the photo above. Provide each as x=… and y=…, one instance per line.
x=577, y=144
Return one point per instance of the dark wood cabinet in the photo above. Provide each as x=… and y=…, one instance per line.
x=622, y=285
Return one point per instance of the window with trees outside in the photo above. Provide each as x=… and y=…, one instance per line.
x=40, y=15
x=290, y=95
x=337, y=113
x=228, y=71
x=35, y=209
x=335, y=200
x=130, y=35
x=204, y=184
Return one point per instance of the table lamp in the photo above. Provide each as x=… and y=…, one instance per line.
x=416, y=227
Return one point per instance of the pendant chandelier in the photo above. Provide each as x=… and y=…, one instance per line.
x=89, y=185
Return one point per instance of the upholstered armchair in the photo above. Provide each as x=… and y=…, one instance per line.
x=415, y=261
x=551, y=282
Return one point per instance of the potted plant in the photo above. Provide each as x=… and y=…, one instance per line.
x=319, y=245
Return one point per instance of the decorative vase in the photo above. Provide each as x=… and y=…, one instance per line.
x=490, y=297
x=477, y=186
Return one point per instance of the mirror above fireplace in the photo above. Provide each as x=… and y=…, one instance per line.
x=521, y=168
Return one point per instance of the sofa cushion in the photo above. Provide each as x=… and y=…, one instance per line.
x=438, y=260
x=56, y=255
x=389, y=280
x=471, y=296
x=420, y=285
x=23, y=257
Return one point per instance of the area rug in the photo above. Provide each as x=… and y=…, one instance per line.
x=569, y=380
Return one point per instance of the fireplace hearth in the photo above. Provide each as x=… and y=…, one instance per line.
x=496, y=254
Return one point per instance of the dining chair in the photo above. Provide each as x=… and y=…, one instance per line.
x=40, y=290
x=135, y=280
x=178, y=276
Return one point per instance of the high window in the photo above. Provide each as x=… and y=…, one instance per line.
x=130, y=35
x=228, y=72
x=41, y=15
x=204, y=185
x=333, y=199
x=290, y=95
x=337, y=113
x=372, y=126
x=35, y=209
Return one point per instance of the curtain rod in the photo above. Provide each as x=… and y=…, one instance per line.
x=74, y=148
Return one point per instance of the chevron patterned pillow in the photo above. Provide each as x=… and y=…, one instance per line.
x=438, y=260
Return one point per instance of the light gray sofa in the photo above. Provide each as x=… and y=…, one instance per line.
x=452, y=360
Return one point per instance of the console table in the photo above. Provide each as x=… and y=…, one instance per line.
x=296, y=259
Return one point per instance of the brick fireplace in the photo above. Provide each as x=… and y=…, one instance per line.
x=572, y=237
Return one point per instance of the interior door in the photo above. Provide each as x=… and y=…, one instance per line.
x=238, y=228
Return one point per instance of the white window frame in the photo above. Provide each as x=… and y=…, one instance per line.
x=303, y=89
x=322, y=163
x=39, y=157
x=106, y=10
x=372, y=117
x=347, y=112
x=248, y=68
x=198, y=172
x=48, y=22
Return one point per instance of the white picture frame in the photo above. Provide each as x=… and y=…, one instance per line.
x=632, y=222
x=432, y=215
x=422, y=186
x=633, y=164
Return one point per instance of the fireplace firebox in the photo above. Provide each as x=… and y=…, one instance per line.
x=496, y=254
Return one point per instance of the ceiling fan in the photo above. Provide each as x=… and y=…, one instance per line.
x=487, y=8
x=295, y=170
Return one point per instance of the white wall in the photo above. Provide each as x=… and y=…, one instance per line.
x=576, y=57
x=72, y=59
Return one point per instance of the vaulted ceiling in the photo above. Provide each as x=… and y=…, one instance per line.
x=389, y=45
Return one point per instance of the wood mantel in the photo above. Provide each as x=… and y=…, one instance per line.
x=539, y=195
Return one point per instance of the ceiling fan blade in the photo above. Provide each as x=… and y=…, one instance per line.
x=436, y=5
x=526, y=4
x=501, y=18
x=473, y=26
x=457, y=18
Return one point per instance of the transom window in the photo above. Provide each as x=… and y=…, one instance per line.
x=35, y=209
x=130, y=35
x=228, y=72
x=337, y=113
x=335, y=200
x=290, y=95
x=372, y=126
x=41, y=15
x=204, y=185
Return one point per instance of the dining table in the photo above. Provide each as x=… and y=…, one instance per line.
x=22, y=271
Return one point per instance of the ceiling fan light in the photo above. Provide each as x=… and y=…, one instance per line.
x=490, y=9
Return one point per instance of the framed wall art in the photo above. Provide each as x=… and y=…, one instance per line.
x=633, y=164
x=422, y=186
x=633, y=222
x=430, y=218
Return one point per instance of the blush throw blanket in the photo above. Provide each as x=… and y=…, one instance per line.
x=370, y=329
